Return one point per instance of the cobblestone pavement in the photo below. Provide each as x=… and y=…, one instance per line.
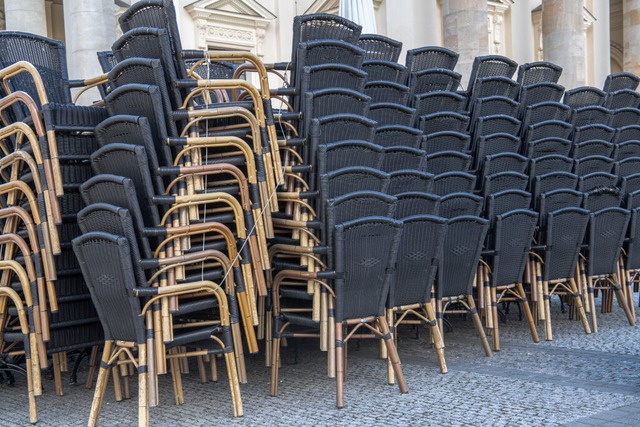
x=574, y=380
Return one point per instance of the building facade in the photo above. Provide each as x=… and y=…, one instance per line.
x=588, y=38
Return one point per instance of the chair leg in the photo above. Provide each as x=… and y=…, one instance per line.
x=57, y=374
x=143, y=398
x=493, y=313
x=339, y=366
x=478, y=324
x=101, y=385
x=392, y=353
x=522, y=300
x=93, y=363
x=275, y=365
x=31, y=380
x=592, y=304
x=391, y=321
x=622, y=301
x=548, y=331
x=438, y=343
x=234, y=384
x=577, y=298
x=176, y=376
x=331, y=351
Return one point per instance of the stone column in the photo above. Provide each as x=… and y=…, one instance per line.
x=563, y=39
x=601, y=42
x=466, y=31
x=631, y=35
x=26, y=15
x=89, y=26
x=522, y=32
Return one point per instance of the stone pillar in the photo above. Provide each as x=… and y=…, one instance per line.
x=89, y=27
x=563, y=39
x=26, y=15
x=631, y=35
x=466, y=31
x=522, y=50
x=601, y=42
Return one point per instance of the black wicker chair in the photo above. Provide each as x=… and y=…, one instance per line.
x=377, y=46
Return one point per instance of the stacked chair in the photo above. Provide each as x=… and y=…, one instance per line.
x=195, y=211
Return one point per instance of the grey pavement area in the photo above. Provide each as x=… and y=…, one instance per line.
x=574, y=380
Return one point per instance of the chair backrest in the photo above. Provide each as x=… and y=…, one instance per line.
x=415, y=203
x=593, y=147
x=418, y=257
x=386, y=91
x=349, y=179
x=624, y=117
x=494, y=144
x=592, y=114
x=583, y=96
x=607, y=229
x=47, y=55
x=433, y=79
x=365, y=255
x=107, y=60
x=595, y=180
x=546, y=129
x=621, y=80
x=496, y=123
x=425, y=57
x=553, y=181
x=448, y=161
x=129, y=161
x=542, y=111
x=387, y=113
x=546, y=146
x=630, y=183
x=397, y=136
x=595, y=131
x=445, y=140
x=324, y=51
x=380, y=69
x=503, y=162
x=564, y=234
x=550, y=163
x=453, y=182
x=509, y=180
x=621, y=99
x=377, y=46
x=602, y=198
x=341, y=154
x=626, y=149
x=319, y=26
x=325, y=102
x=628, y=166
x=490, y=65
x=437, y=101
x=504, y=201
x=460, y=203
x=627, y=133
x=538, y=72
x=494, y=104
x=397, y=158
x=105, y=261
x=462, y=246
x=446, y=120
x=321, y=76
x=540, y=92
x=560, y=198
x=409, y=180
x=512, y=237
x=591, y=164
x=493, y=86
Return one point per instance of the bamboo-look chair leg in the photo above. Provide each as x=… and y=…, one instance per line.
x=542, y=310
x=546, y=298
x=234, y=384
x=592, y=304
x=101, y=384
x=622, y=301
x=202, y=373
x=626, y=287
x=117, y=386
x=57, y=374
x=577, y=299
x=340, y=373
x=331, y=352
x=390, y=313
x=493, y=313
x=393, y=353
x=436, y=337
x=176, y=376
x=143, y=398
x=93, y=363
x=275, y=365
x=213, y=367
x=478, y=325
x=152, y=378
x=522, y=300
